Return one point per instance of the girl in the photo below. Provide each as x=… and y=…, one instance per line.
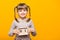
x=22, y=21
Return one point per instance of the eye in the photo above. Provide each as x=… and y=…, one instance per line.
x=20, y=10
x=24, y=10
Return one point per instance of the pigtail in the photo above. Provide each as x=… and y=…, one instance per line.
x=15, y=14
x=29, y=14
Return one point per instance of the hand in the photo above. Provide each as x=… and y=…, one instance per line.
x=29, y=31
x=32, y=30
x=16, y=31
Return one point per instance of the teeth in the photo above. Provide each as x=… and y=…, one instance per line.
x=22, y=14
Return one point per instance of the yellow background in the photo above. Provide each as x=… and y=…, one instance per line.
x=45, y=15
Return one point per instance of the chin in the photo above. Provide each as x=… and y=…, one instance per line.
x=23, y=16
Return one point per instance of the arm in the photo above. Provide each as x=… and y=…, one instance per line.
x=12, y=28
x=33, y=31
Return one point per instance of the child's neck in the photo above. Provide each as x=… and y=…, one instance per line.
x=22, y=18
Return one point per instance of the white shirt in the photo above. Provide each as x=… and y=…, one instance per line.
x=22, y=23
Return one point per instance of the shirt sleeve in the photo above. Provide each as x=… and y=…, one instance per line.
x=12, y=28
x=32, y=26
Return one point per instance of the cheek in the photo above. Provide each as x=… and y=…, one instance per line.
x=19, y=12
x=22, y=12
x=25, y=12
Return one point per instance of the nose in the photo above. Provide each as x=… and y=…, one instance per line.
x=22, y=11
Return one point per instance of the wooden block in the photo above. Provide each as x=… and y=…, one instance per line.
x=23, y=31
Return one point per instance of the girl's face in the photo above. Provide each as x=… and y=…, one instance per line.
x=22, y=13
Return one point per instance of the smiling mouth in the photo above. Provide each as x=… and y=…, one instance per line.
x=22, y=14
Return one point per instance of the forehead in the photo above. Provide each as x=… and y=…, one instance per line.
x=21, y=9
